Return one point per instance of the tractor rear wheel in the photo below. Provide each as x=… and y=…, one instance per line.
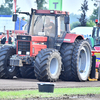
x=7, y=71
x=27, y=72
x=81, y=61
x=47, y=65
x=66, y=54
x=99, y=73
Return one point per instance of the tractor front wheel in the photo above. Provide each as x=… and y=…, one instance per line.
x=47, y=65
x=7, y=71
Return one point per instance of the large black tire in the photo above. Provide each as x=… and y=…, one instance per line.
x=27, y=72
x=7, y=71
x=47, y=65
x=90, y=42
x=66, y=54
x=99, y=73
x=81, y=61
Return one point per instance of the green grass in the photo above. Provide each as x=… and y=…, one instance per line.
x=57, y=92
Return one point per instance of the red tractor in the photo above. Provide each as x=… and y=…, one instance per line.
x=47, y=52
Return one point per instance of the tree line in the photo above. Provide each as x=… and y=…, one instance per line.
x=7, y=9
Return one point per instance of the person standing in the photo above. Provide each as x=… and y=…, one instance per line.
x=10, y=39
x=3, y=40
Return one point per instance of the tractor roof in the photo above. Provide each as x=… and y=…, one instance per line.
x=50, y=12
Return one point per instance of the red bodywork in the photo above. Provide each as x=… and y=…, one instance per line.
x=48, y=12
x=36, y=44
x=70, y=38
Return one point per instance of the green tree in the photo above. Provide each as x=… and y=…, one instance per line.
x=40, y=4
x=7, y=8
x=94, y=15
x=84, y=8
x=75, y=24
x=90, y=23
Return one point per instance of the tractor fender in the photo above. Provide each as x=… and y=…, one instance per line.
x=70, y=38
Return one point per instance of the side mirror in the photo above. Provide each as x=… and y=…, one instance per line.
x=14, y=17
x=66, y=20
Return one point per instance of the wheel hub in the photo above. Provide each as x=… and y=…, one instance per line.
x=54, y=66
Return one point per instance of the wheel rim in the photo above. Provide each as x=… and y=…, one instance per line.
x=54, y=66
x=84, y=62
x=10, y=68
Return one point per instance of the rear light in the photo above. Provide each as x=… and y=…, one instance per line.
x=96, y=21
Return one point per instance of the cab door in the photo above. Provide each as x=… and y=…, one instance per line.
x=95, y=35
x=98, y=35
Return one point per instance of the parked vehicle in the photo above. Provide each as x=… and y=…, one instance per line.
x=85, y=31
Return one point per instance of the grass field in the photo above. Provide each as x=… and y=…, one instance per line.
x=58, y=92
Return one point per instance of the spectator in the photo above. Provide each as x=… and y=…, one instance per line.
x=3, y=40
x=11, y=39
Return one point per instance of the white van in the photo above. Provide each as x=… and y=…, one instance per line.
x=85, y=31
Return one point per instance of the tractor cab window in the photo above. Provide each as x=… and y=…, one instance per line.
x=98, y=38
x=95, y=32
x=61, y=26
x=96, y=35
x=44, y=26
x=99, y=33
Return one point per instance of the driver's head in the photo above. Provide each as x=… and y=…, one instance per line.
x=47, y=20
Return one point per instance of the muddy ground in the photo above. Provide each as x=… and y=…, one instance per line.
x=31, y=84
x=23, y=84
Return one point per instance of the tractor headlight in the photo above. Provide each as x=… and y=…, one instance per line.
x=52, y=11
x=19, y=52
x=27, y=53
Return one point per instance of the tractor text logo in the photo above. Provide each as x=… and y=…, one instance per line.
x=55, y=4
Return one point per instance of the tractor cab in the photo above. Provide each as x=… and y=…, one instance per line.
x=44, y=26
x=94, y=40
x=42, y=20
x=48, y=24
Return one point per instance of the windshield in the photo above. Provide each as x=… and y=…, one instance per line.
x=95, y=32
x=44, y=25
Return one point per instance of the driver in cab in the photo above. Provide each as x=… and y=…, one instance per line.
x=49, y=27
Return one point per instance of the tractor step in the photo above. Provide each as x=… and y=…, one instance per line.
x=93, y=79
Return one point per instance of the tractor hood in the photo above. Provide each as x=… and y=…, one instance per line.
x=39, y=38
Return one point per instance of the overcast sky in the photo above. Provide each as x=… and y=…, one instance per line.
x=72, y=6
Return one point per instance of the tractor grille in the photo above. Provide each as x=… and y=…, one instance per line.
x=23, y=47
x=23, y=37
